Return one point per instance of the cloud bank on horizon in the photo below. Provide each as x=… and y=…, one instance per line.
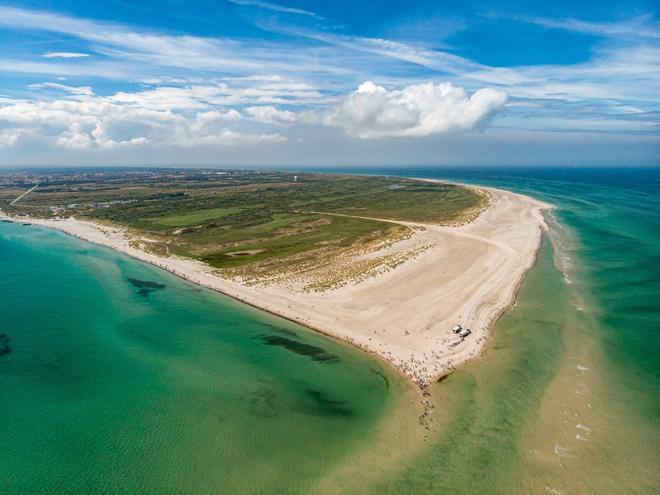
x=296, y=83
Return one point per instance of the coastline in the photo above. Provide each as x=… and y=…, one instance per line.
x=475, y=268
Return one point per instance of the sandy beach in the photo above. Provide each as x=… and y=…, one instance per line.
x=465, y=275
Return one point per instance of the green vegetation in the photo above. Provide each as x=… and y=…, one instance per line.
x=233, y=219
x=410, y=201
x=193, y=218
x=315, y=232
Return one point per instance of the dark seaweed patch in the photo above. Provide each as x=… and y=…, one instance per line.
x=145, y=287
x=285, y=331
x=387, y=382
x=4, y=344
x=324, y=406
x=146, y=284
x=311, y=351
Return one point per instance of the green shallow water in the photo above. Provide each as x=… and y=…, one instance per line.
x=124, y=379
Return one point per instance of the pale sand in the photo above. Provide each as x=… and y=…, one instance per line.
x=467, y=275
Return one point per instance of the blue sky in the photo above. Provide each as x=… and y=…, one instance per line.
x=239, y=82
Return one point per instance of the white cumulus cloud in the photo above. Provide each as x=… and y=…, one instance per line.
x=271, y=115
x=414, y=111
x=9, y=137
x=81, y=120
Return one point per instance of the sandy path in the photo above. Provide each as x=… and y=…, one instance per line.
x=469, y=275
x=23, y=195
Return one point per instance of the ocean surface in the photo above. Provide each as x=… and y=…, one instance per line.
x=120, y=378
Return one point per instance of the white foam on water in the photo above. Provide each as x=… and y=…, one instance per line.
x=554, y=491
x=582, y=368
x=583, y=427
x=580, y=437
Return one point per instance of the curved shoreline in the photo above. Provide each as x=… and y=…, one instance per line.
x=477, y=267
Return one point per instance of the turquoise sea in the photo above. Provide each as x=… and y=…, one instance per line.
x=120, y=378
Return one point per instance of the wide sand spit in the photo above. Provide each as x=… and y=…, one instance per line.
x=465, y=275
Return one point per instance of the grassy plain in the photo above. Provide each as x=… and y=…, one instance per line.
x=232, y=219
